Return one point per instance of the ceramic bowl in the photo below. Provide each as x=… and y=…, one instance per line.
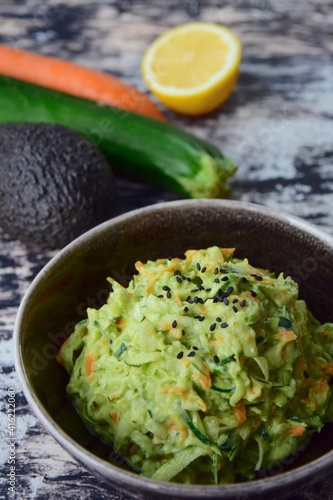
x=76, y=278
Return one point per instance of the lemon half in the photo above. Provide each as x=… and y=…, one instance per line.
x=193, y=68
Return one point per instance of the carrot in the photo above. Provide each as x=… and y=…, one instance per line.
x=79, y=81
x=286, y=335
x=298, y=430
x=174, y=389
x=240, y=412
x=328, y=369
x=89, y=362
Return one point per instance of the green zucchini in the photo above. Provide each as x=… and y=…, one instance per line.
x=153, y=150
x=202, y=437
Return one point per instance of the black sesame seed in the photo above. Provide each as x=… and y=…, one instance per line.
x=212, y=327
x=256, y=277
x=234, y=301
x=208, y=289
x=218, y=319
x=226, y=301
x=260, y=339
x=243, y=279
x=178, y=273
x=190, y=354
x=306, y=374
x=198, y=266
x=198, y=300
x=216, y=359
x=216, y=280
x=242, y=303
x=166, y=288
x=184, y=278
x=229, y=290
x=160, y=296
x=216, y=270
x=234, y=308
x=201, y=287
x=200, y=318
x=223, y=271
x=225, y=278
x=195, y=290
x=253, y=293
x=179, y=279
x=183, y=332
x=189, y=280
x=168, y=294
x=203, y=269
x=224, y=325
x=194, y=347
x=174, y=324
x=185, y=309
x=180, y=355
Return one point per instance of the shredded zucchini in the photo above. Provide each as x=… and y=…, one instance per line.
x=203, y=370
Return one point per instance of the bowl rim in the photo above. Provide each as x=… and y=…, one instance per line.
x=303, y=475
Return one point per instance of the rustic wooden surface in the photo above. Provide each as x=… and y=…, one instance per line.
x=277, y=126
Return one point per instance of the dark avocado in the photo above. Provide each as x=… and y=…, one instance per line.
x=54, y=184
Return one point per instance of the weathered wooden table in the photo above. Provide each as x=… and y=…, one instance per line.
x=277, y=126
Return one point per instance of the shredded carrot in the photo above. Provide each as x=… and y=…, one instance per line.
x=321, y=385
x=138, y=265
x=298, y=430
x=205, y=381
x=174, y=389
x=328, y=369
x=240, y=412
x=114, y=417
x=89, y=362
x=79, y=81
x=287, y=335
x=228, y=252
x=204, y=378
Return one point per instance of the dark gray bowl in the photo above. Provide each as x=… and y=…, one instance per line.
x=75, y=279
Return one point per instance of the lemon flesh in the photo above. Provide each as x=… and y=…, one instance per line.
x=193, y=68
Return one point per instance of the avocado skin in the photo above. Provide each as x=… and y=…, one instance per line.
x=54, y=184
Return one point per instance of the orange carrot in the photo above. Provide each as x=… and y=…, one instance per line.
x=79, y=81
x=240, y=412
x=298, y=430
x=174, y=389
x=328, y=369
x=89, y=362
